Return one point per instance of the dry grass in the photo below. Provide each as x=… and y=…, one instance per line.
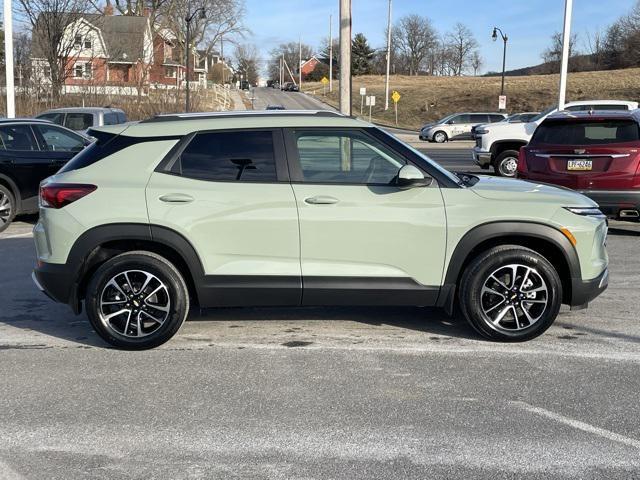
x=430, y=98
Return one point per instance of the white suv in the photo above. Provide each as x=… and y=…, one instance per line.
x=498, y=144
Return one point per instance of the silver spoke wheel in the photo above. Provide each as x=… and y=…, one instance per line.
x=134, y=304
x=5, y=209
x=509, y=167
x=514, y=297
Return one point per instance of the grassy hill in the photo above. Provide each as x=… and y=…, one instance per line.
x=430, y=98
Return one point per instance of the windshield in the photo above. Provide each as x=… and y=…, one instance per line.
x=543, y=114
x=444, y=119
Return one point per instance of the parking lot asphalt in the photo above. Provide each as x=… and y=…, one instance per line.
x=319, y=392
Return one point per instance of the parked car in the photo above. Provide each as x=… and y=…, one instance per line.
x=596, y=153
x=497, y=145
x=275, y=107
x=513, y=118
x=302, y=208
x=457, y=126
x=30, y=151
x=244, y=85
x=290, y=87
x=81, y=119
x=276, y=85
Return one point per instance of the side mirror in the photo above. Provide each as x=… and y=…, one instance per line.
x=411, y=177
x=450, y=122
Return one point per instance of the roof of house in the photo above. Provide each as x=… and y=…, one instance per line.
x=122, y=34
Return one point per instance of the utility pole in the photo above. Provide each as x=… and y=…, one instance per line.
x=330, y=55
x=300, y=63
x=8, y=59
x=222, y=57
x=345, y=57
x=386, y=82
x=566, y=39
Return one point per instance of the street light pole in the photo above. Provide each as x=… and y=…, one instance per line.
x=504, y=53
x=566, y=42
x=330, y=55
x=188, y=19
x=8, y=56
x=345, y=57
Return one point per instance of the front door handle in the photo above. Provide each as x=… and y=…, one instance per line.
x=176, y=198
x=321, y=200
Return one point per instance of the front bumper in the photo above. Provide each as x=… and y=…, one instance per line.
x=58, y=282
x=612, y=202
x=584, y=291
x=482, y=158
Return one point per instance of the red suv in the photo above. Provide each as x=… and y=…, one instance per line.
x=595, y=153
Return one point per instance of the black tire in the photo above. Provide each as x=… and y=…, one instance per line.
x=440, y=137
x=7, y=206
x=472, y=298
x=504, y=165
x=175, y=293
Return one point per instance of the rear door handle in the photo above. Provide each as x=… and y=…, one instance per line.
x=176, y=198
x=321, y=200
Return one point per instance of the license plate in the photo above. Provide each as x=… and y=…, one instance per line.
x=580, y=165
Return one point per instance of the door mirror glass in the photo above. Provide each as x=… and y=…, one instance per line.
x=411, y=177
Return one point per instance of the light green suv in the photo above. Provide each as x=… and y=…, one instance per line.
x=302, y=208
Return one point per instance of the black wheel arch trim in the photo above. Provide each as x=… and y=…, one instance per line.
x=496, y=230
x=494, y=146
x=14, y=190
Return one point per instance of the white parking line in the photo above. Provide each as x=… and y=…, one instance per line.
x=577, y=424
x=18, y=235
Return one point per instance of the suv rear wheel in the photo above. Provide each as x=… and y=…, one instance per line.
x=506, y=164
x=137, y=300
x=7, y=207
x=510, y=293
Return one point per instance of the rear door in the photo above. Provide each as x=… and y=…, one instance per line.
x=363, y=240
x=228, y=194
x=461, y=126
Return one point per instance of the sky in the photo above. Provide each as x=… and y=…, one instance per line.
x=529, y=24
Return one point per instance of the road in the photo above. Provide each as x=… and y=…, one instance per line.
x=353, y=393
x=455, y=156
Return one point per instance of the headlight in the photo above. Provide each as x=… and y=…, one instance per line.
x=586, y=211
x=481, y=131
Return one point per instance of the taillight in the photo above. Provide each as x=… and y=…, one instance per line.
x=522, y=161
x=57, y=195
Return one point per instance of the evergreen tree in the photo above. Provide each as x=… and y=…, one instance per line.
x=361, y=55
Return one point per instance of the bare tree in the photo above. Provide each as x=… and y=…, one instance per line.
x=462, y=44
x=247, y=58
x=553, y=54
x=414, y=37
x=55, y=32
x=290, y=52
x=477, y=62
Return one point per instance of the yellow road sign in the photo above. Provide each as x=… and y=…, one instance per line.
x=324, y=80
x=395, y=96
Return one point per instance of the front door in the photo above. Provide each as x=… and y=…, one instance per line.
x=363, y=240
x=228, y=194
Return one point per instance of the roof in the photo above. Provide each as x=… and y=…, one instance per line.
x=83, y=109
x=605, y=102
x=596, y=115
x=182, y=124
x=23, y=120
x=122, y=34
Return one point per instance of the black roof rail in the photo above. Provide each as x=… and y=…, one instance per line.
x=174, y=117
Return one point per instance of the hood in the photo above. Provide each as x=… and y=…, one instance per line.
x=512, y=130
x=510, y=190
x=427, y=125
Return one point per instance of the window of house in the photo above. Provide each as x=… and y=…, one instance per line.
x=46, y=71
x=77, y=41
x=78, y=70
x=87, y=43
x=229, y=156
x=346, y=157
x=88, y=70
x=170, y=72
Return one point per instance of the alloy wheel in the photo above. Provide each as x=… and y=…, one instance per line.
x=508, y=167
x=514, y=297
x=5, y=209
x=134, y=304
x=440, y=137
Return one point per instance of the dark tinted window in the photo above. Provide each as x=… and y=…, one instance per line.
x=53, y=117
x=598, y=106
x=349, y=157
x=17, y=137
x=479, y=118
x=78, y=121
x=461, y=119
x=496, y=118
x=587, y=133
x=58, y=140
x=122, y=118
x=229, y=156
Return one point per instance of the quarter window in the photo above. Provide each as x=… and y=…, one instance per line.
x=228, y=157
x=58, y=140
x=349, y=157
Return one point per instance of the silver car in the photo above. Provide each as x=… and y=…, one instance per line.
x=81, y=119
x=457, y=126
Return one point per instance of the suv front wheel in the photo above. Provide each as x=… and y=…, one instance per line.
x=510, y=293
x=506, y=164
x=137, y=300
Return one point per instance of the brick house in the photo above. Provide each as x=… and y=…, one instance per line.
x=308, y=66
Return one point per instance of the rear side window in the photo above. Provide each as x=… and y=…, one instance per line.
x=479, y=118
x=496, y=118
x=110, y=119
x=17, y=137
x=79, y=121
x=122, y=118
x=587, y=133
x=229, y=157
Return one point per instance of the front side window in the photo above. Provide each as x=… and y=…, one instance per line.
x=587, y=133
x=479, y=118
x=461, y=119
x=17, y=137
x=346, y=157
x=229, y=157
x=59, y=140
x=78, y=121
